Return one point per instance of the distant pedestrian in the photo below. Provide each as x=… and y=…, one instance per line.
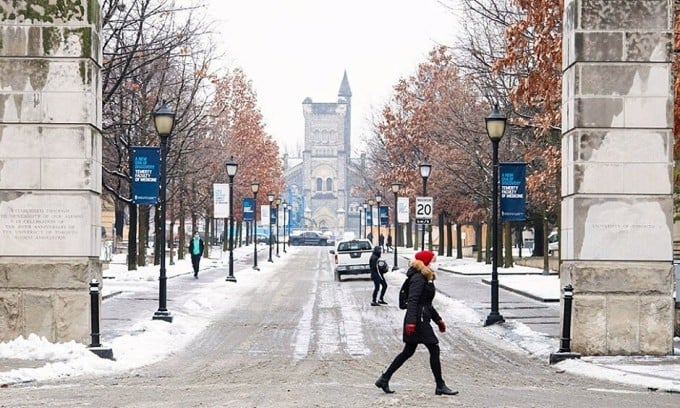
x=377, y=278
x=381, y=242
x=196, y=250
x=370, y=237
x=388, y=243
x=417, y=328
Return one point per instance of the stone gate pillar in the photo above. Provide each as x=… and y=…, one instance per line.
x=617, y=146
x=50, y=167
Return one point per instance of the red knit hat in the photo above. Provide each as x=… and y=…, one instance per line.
x=425, y=257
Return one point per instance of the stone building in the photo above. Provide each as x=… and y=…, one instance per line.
x=320, y=183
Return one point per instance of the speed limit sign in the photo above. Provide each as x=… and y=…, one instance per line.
x=424, y=207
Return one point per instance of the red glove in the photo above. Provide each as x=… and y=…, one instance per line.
x=410, y=329
x=442, y=325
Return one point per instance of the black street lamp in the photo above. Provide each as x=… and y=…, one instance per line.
x=495, y=127
x=370, y=210
x=395, y=190
x=360, y=209
x=164, y=121
x=278, y=203
x=255, y=187
x=425, y=169
x=290, y=219
x=285, y=210
x=232, y=167
x=365, y=206
x=378, y=199
x=270, y=197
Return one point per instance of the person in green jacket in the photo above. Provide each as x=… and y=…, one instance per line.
x=196, y=251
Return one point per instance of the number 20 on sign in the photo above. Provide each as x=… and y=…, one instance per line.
x=424, y=207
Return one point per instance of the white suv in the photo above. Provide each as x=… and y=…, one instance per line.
x=352, y=257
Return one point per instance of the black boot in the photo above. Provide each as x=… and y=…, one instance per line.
x=443, y=389
x=384, y=384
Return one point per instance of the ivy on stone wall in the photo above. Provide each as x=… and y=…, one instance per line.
x=43, y=11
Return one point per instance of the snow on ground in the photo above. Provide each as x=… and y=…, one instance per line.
x=153, y=340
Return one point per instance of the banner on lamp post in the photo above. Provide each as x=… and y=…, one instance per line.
x=264, y=214
x=248, y=209
x=402, y=210
x=145, y=174
x=384, y=216
x=513, y=191
x=221, y=200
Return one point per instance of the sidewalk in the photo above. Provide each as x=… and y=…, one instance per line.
x=528, y=306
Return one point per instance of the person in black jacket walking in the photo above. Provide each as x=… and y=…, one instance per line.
x=377, y=278
x=417, y=328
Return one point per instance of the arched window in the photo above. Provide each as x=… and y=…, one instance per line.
x=319, y=184
x=329, y=184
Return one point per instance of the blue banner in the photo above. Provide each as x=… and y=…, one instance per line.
x=384, y=216
x=272, y=215
x=248, y=209
x=146, y=174
x=513, y=191
x=369, y=217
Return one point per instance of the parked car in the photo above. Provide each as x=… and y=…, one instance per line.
x=262, y=239
x=352, y=257
x=308, y=238
x=553, y=243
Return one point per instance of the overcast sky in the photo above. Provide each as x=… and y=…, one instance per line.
x=293, y=49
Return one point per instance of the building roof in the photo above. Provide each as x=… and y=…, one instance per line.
x=344, y=87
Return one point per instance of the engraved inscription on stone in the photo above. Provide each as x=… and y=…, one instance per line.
x=49, y=225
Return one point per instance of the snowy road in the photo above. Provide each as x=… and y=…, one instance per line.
x=300, y=339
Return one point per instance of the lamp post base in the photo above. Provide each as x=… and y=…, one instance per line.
x=231, y=278
x=256, y=268
x=561, y=356
x=102, y=352
x=162, y=315
x=395, y=267
x=493, y=318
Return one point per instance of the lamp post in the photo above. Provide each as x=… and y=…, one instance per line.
x=365, y=206
x=255, y=187
x=378, y=200
x=285, y=210
x=395, y=190
x=370, y=210
x=278, y=203
x=290, y=219
x=232, y=167
x=425, y=169
x=495, y=127
x=164, y=121
x=270, y=197
x=360, y=210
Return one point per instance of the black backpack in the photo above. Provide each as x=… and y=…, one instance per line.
x=382, y=266
x=403, y=293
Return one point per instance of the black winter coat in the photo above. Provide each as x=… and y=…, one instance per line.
x=420, y=310
x=373, y=263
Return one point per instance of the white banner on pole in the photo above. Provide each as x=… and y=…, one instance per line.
x=264, y=215
x=221, y=200
x=402, y=210
x=375, y=216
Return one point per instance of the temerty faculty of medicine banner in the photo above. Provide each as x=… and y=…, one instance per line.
x=513, y=191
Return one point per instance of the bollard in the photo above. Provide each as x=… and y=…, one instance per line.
x=94, y=313
x=565, y=342
x=96, y=346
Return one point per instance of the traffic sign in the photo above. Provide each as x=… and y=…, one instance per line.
x=424, y=207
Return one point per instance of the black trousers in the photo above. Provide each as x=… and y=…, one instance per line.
x=378, y=282
x=409, y=349
x=195, y=261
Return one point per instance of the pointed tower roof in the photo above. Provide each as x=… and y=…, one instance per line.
x=344, y=87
